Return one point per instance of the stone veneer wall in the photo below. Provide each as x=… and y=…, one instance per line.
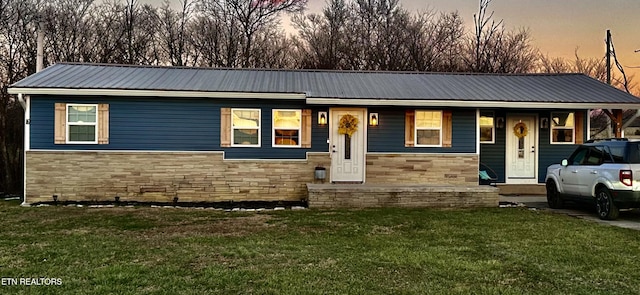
x=159, y=177
x=434, y=169
x=414, y=196
x=207, y=177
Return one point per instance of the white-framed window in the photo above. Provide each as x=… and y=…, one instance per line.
x=287, y=126
x=428, y=128
x=245, y=125
x=487, y=127
x=82, y=123
x=563, y=128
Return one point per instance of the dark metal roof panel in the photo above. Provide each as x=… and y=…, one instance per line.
x=552, y=88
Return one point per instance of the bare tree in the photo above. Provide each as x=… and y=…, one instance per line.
x=174, y=33
x=67, y=27
x=17, y=60
x=249, y=17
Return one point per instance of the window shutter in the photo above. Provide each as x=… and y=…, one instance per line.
x=409, y=128
x=103, y=124
x=225, y=127
x=579, y=124
x=306, y=129
x=446, y=128
x=60, y=121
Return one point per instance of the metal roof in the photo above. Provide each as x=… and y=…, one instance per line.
x=335, y=85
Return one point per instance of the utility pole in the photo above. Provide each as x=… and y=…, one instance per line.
x=609, y=57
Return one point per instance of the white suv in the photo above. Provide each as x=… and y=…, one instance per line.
x=598, y=171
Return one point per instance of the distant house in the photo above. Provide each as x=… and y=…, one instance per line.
x=141, y=133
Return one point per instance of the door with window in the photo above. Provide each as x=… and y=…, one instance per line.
x=347, y=144
x=521, y=152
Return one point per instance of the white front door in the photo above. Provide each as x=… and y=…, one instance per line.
x=347, y=152
x=522, y=149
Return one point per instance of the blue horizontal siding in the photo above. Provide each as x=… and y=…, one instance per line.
x=171, y=125
x=493, y=155
x=389, y=135
x=554, y=153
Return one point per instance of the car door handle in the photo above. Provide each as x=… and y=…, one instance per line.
x=594, y=172
x=574, y=171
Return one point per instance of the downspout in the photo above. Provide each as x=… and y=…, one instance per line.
x=26, y=105
x=27, y=143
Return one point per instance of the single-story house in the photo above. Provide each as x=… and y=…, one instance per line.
x=155, y=134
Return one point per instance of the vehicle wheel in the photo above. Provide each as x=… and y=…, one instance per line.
x=604, y=205
x=553, y=196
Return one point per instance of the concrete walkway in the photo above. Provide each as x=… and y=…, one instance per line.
x=628, y=218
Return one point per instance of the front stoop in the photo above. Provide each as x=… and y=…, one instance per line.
x=414, y=196
x=522, y=189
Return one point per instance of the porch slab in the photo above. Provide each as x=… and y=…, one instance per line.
x=410, y=196
x=522, y=189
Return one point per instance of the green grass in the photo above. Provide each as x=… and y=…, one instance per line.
x=384, y=251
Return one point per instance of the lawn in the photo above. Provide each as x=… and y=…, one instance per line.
x=384, y=251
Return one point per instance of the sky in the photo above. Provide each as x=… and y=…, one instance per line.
x=558, y=27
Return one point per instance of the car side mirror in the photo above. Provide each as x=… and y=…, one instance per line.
x=564, y=162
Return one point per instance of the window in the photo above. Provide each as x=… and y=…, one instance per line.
x=487, y=127
x=246, y=127
x=82, y=122
x=287, y=125
x=562, y=127
x=428, y=126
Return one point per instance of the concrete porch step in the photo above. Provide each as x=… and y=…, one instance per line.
x=380, y=195
x=522, y=189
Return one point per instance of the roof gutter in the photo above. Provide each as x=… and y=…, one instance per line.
x=470, y=104
x=154, y=93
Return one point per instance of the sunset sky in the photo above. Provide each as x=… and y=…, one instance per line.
x=558, y=27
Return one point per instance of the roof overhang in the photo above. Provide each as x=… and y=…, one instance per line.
x=472, y=104
x=320, y=100
x=153, y=93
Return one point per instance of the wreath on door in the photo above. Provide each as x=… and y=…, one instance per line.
x=348, y=125
x=520, y=130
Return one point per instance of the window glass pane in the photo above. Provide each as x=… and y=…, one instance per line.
x=82, y=114
x=562, y=135
x=428, y=137
x=562, y=119
x=286, y=137
x=245, y=136
x=82, y=133
x=486, y=133
x=428, y=119
x=486, y=121
x=287, y=119
x=246, y=118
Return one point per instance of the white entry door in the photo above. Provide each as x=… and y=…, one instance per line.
x=522, y=149
x=347, y=152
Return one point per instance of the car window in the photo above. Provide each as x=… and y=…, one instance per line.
x=617, y=153
x=578, y=156
x=606, y=154
x=594, y=156
x=634, y=153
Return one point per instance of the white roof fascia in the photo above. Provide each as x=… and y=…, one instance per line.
x=470, y=104
x=154, y=93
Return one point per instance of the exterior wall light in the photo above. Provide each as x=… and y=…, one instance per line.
x=544, y=123
x=373, y=119
x=500, y=122
x=322, y=118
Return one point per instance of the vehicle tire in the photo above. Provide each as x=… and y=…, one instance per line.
x=607, y=210
x=553, y=196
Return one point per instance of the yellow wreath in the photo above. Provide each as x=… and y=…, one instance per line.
x=348, y=125
x=520, y=130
